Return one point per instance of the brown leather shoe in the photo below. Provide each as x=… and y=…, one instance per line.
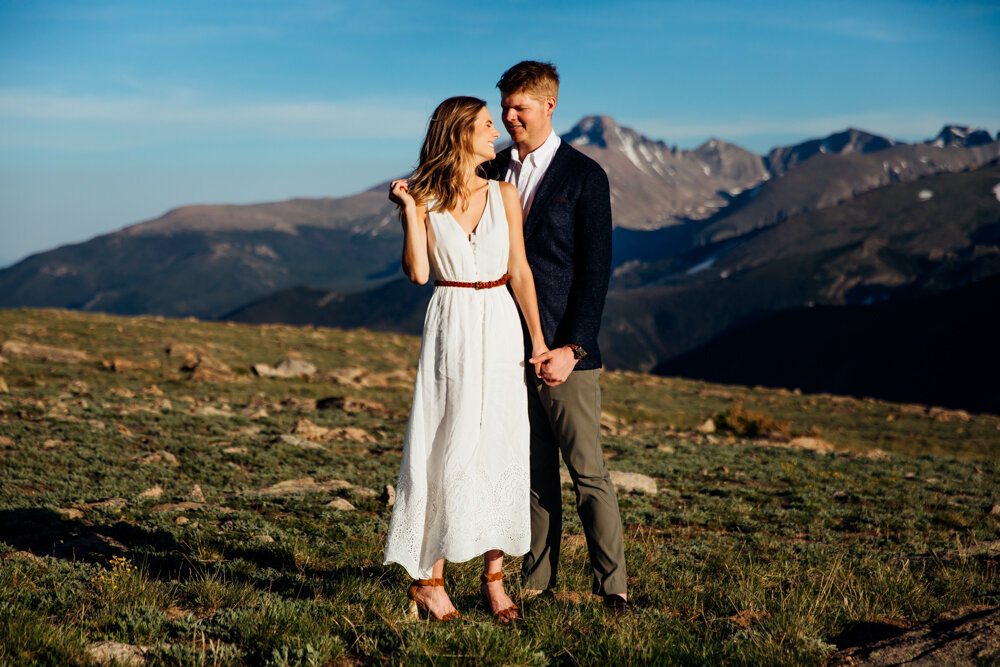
x=618, y=605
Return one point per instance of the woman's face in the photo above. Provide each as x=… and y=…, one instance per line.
x=483, y=137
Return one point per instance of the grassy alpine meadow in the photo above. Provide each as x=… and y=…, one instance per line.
x=160, y=500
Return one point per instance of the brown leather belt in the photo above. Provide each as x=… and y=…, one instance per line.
x=502, y=280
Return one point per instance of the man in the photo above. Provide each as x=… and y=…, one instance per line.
x=567, y=236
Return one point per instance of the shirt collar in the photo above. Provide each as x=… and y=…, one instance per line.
x=541, y=154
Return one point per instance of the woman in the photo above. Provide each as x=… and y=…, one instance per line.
x=464, y=477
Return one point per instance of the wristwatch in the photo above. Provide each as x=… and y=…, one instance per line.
x=578, y=352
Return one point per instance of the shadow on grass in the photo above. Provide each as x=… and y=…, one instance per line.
x=44, y=532
x=860, y=633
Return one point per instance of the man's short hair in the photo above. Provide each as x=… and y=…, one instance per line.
x=532, y=77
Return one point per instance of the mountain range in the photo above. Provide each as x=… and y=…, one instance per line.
x=706, y=241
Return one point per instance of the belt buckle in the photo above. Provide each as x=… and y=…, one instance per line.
x=479, y=285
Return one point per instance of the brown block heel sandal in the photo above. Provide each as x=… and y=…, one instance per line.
x=506, y=615
x=416, y=606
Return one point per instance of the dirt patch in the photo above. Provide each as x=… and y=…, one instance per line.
x=747, y=618
x=570, y=597
x=964, y=636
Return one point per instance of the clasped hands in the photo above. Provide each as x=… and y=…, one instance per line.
x=554, y=366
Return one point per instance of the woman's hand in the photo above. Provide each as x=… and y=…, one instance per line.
x=554, y=366
x=536, y=352
x=398, y=194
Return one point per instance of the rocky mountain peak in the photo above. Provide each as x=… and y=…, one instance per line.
x=961, y=135
x=653, y=184
x=849, y=141
x=602, y=132
x=590, y=131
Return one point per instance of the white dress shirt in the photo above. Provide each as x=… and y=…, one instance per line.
x=527, y=174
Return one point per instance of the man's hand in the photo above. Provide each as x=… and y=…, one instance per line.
x=556, y=365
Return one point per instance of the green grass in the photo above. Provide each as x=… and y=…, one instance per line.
x=751, y=553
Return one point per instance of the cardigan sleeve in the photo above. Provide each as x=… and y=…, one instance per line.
x=591, y=260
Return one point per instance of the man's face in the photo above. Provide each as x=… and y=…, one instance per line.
x=528, y=119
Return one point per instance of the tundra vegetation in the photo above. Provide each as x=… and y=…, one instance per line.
x=161, y=503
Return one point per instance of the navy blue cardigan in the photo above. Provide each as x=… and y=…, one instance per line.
x=567, y=238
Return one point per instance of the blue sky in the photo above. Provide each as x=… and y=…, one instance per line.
x=114, y=112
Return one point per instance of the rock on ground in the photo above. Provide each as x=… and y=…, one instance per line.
x=158, y=456
x=203, y=366
x=210, y=369
x=212, y=411
x=623, y=481
x=812, y=444
x=943, y=415
x=296, y=404
x=291, y=487
x=354, y=377
x=286, y=368
x=633, y=481
x=302, y=443
x=70, y=512
x=178, y=507
x=340, y=504
x=964, y=636
x=351, y=404
x=612, y=425
x=106, y=653
x=707, y=427
x=32, y=352
x=351, y=433
x=121, y=365
x=310, y=431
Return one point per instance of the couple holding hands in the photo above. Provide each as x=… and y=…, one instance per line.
x=480, y=465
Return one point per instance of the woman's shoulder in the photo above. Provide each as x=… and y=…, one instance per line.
x=508, y=192
x=505, y=187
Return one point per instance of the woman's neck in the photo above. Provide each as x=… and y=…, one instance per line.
x=472, y=179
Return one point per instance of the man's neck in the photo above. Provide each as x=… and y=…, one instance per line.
x=524, y=150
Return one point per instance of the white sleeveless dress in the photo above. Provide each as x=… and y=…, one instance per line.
x=464, y=478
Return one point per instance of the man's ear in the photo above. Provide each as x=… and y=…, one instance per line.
x=550, y=105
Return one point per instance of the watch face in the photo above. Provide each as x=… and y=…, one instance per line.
x=579, y=352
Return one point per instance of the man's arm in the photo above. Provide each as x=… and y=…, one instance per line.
x=591, y=274
x=591, y=260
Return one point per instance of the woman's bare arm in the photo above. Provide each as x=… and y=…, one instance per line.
x=521, y=279
x=415, y=263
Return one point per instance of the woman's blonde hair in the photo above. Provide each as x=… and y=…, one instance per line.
x=446, y=156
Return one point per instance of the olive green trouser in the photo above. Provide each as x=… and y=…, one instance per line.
x=567, y=418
